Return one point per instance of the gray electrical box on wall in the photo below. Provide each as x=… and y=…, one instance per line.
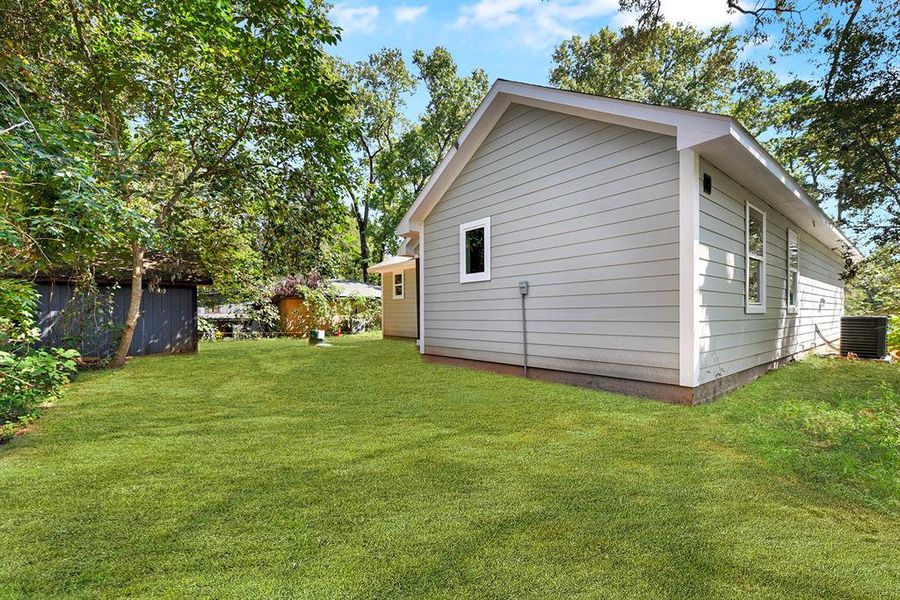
x=523, y=288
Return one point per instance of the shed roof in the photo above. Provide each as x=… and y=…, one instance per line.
x=225, y=312
x=347, y=287
x=159, y=269
x=719, y=138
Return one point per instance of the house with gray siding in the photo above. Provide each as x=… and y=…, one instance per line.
x=614, y=244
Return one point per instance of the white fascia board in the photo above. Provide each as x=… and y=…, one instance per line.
x=392, y=264
x=450, y=166
x=689, y=127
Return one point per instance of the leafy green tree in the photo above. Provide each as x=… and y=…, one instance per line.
x=453, y=98
x=875, y=285
x=191, y=99
x=54, y=206
x=379, y=88
x=841, y=131
x=671, y=65
x=303, y=225
x=394, y=157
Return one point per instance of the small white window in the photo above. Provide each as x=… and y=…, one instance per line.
x=475, y=251
x=793, y=271
x=398, y=286
x=755, y=242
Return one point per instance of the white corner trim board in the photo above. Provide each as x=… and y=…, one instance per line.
x=420, y=273
x=688, y=267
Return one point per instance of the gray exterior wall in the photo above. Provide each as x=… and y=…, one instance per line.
x=587, y=212
x=168, y=320
x=398, y=317
x=731, y=340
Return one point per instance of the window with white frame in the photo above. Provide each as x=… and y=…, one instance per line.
x=475, y=251
x=793, y=271
x=755, y=242
x=398, y=286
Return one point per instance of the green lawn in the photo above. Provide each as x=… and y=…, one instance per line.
x=274, y=469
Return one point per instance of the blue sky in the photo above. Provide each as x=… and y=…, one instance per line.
x=509, y=39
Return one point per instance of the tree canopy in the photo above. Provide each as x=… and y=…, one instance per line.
x=839, y=129
x=393, y=157
x=670, y=65
x=192, y=105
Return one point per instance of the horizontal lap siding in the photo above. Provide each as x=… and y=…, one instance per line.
x=587, y=213
x=399, y=316
x=731, y=340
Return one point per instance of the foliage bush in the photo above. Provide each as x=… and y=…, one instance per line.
x=873, y=287
x=322, y=308
x=357, y=313
x=207, y=329
x=315, y=311
x=29, y=377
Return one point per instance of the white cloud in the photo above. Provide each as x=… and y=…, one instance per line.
x=492, y=14
x=353, y=18
x=541, y=24
x=537, y=23
x=408, y=14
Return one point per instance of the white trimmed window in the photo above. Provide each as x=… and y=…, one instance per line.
x=793, y=271
x=398, y=285
x=475, y=251
x=755, y=242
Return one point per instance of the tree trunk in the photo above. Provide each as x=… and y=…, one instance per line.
x=364, y=252
x=134, y=305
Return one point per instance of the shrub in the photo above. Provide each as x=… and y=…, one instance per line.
x=29, y=376
x=316, y=311
x=207, y=329
x=357, y=313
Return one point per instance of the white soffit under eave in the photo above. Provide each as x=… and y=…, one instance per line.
x=392, y=263
x=741, y=157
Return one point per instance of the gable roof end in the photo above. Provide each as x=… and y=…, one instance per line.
x=718, y=138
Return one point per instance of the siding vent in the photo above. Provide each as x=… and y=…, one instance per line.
x=707, y=184
x=865, y=337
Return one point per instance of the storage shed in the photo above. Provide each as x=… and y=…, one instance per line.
x=90, y=320
x=296, y=318
x=662, y=252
